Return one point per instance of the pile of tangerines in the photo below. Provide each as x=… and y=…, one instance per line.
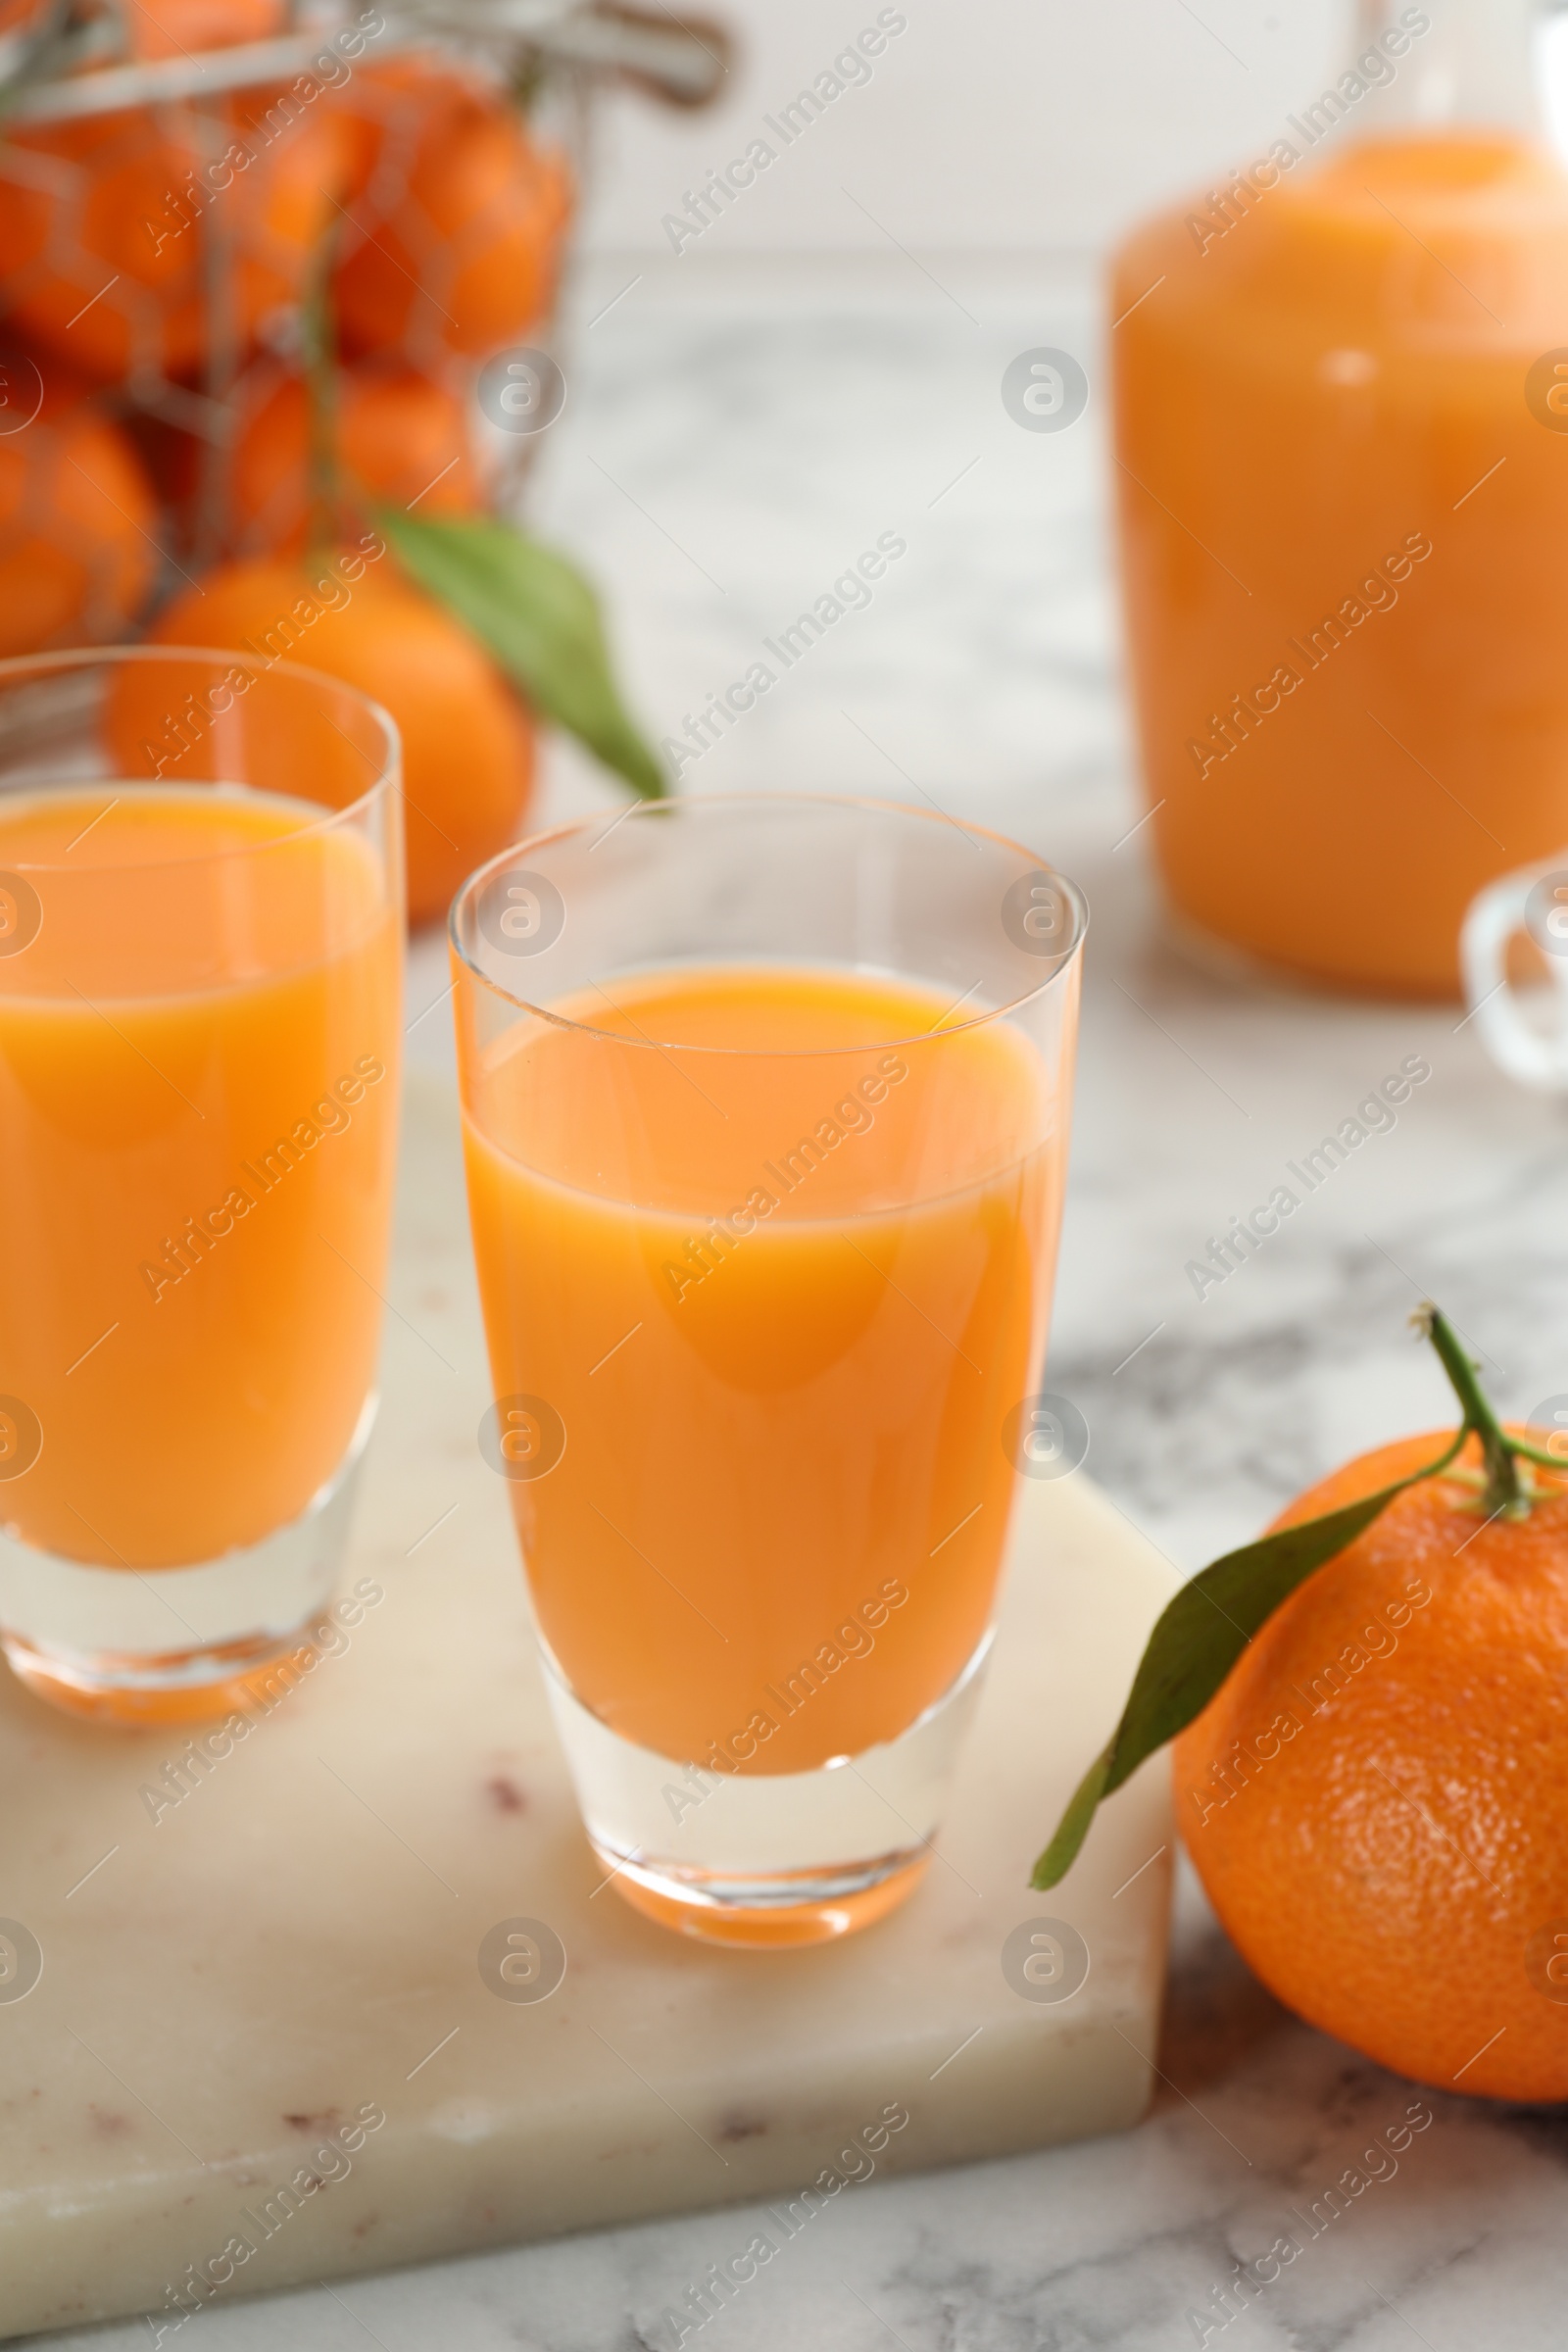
x=408, y=199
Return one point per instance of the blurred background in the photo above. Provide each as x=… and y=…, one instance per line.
x=1035, y=134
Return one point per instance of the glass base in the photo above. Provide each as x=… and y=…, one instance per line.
x=767, y=1916
x=762, y=1860
x=104, y=1641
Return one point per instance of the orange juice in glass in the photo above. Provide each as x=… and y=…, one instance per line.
x=200, y=980
x=765, y=1110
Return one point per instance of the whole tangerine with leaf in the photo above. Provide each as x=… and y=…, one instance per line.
x=467, y=742
x=1370, y=1712
x=463, y=629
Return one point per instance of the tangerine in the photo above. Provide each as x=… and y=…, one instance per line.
x=457, y=216
x=17, y=17
x=1377, y=1798
x=110, y=228
x=398, y=436
x=157, y=29
x=77, y=517
x=467, y=742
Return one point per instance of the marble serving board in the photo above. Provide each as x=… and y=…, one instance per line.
x=275, y=1981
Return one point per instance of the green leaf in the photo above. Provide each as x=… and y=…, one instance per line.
x=1073, y=1827
x=1198, y=1639
x=541, y=620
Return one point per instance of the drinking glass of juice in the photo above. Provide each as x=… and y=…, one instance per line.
x=766, y=1106
x=200, y=980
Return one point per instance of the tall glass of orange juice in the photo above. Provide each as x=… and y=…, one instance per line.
x=765, y=1107
x=1342, y=441
x=200, y=978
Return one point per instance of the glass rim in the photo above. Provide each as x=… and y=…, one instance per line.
x=673, y=805
x=91, y=656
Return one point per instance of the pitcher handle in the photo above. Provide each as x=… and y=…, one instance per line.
x=1496, y=916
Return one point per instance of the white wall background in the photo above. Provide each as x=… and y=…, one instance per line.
x=989, y=127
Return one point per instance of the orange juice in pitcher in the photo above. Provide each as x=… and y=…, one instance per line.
x=1342, y=441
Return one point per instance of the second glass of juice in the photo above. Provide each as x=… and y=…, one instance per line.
x=201, y=914
x=765, y=1111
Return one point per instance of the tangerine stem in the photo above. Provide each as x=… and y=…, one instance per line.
x=1537, y=1454
x=1504, y=1490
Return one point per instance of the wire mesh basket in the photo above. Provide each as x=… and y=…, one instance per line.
x=246, y=248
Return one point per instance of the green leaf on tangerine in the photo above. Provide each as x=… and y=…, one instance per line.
x=1198, y=1639
x=540, y=618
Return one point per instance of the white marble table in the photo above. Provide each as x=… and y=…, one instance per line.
x=720, y=461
